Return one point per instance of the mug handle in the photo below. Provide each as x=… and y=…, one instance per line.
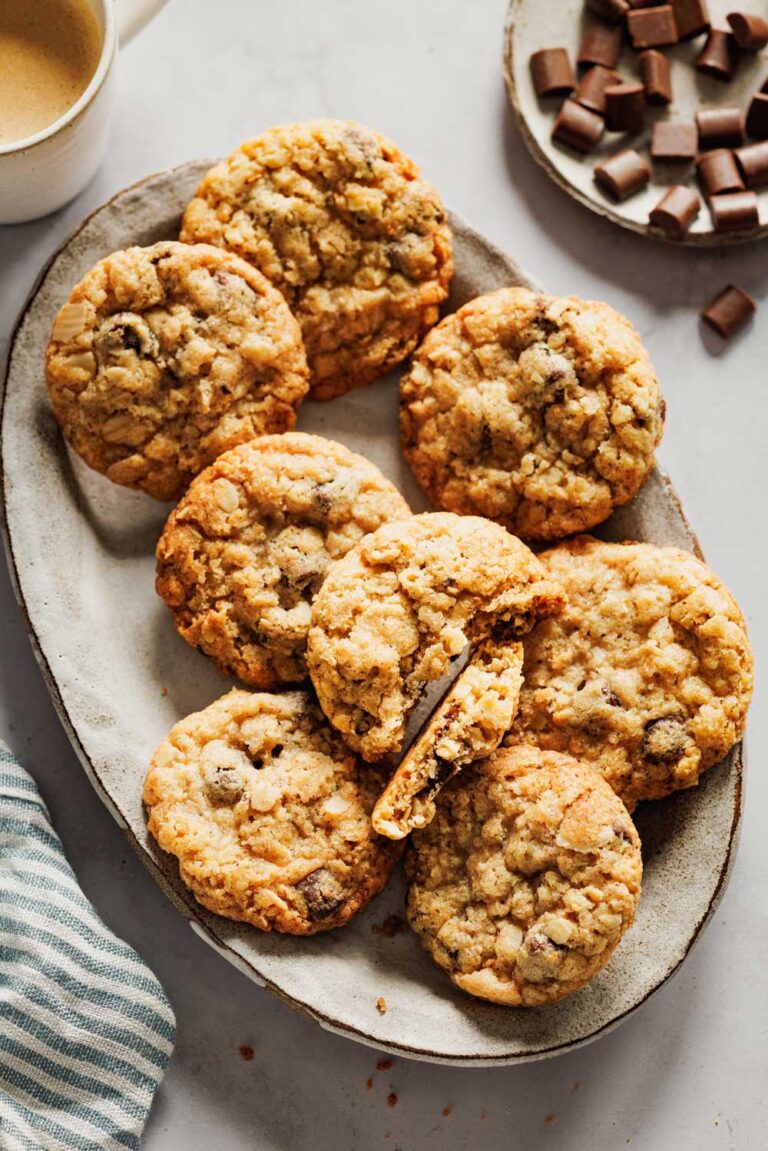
x=132, y=15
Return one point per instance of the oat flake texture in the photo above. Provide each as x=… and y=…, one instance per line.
x=538, y=412
x=164, y=357
x=268, y=814
x=342, y=223
x=527, y=878
x=646, y=674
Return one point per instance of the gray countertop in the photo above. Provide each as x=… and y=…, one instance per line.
x=689, y=1070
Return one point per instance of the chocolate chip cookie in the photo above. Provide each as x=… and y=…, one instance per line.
x=540, y=413
x=164, y=357
x=646, y=674
x=247, y=548
x=469, y=724
x=401, y=605
x=527, y=878
x=342, y=223
x=268, y=814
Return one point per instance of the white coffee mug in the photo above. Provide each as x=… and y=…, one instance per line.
x=45, y=171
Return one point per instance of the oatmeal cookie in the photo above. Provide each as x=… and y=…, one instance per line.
x=526, y=880
x=469, y=724
x=244, y=553
x=646, y=674
x=163, y=357
x=537, y=412
x=268, y=814
x=401, y=605
x=341, y=222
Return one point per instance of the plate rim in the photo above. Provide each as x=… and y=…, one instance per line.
x=604, y=209
x=191, y=913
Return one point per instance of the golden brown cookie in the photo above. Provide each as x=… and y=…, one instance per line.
x=341, y=222
x=646, y=674
x=401, y=605
x=247, y=548
x=469, y=723
x=268, y=814
x=540, y=413
x=164, y=357
x=526, y=880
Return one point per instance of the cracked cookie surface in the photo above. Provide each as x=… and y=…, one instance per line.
x=268, y=814
x=469, y=723
x=526, y=880
x=538, y=412
x=164, y=357
x=646, y=674
x=402, y=604
x=247, y=548
x=340, y=221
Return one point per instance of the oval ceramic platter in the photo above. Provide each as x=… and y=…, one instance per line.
x=535, y=24
x=81, y=555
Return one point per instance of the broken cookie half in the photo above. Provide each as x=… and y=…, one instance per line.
x=469, y=723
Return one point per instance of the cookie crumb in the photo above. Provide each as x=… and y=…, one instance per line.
x=163, y=690
x=381, y=1005
x=446, y=1111
x=384, y=1065
x=369, y=1084
x=392, y=1099
x=392, y=925
x=247, y=1053
x=483, y=1115
x=549, y=1118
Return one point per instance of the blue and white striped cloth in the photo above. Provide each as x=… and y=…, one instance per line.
x=86, y=1031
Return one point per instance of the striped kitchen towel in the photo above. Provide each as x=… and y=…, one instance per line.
x=86, y=1031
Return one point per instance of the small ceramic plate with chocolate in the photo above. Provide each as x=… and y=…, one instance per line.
x=652, y=115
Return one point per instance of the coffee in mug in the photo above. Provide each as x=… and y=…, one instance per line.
x=49, y=51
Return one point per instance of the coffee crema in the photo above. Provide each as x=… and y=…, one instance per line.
x=49, y=51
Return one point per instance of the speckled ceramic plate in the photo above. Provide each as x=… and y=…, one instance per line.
x=81, y=555
x=535, y=24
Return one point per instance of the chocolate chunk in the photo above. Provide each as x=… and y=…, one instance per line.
x=749, y=32
x=623, y=174
x=590, y=90
x=552, y=72
x=577, y=127
x=646, y=3
x=719, y=56
x=729, y=311
x=735, y=212
x=757, y=117
x=720, y=128
x=657, y=76
x=674, y=140
x=600, y=44
x=665, y=740
x=322, y=894
x=718, y=173
x=753, y=164
x=691, y=18
x=125, y=332
x=611, y=10
x=652, y=27
x=675, y=211
x=625, y=107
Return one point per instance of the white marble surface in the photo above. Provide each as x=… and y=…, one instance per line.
x=690, y=1070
